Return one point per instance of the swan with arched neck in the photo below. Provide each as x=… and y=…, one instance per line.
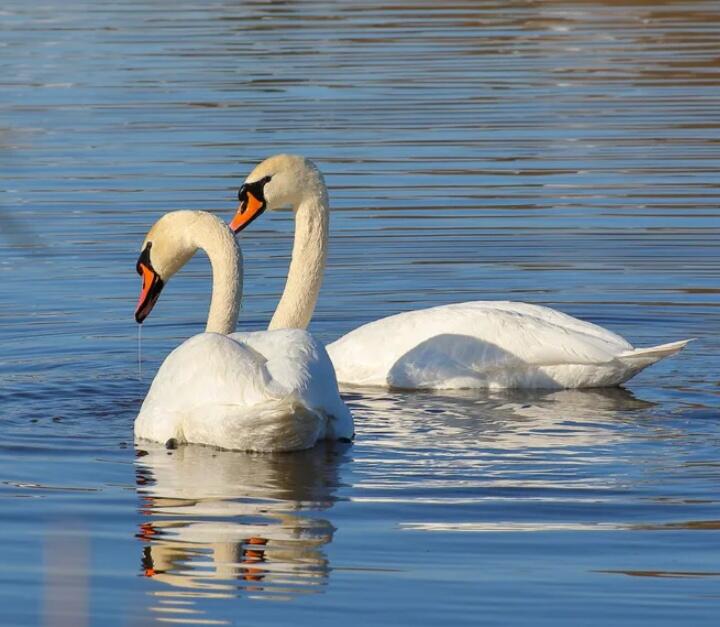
x=477, y=344
x=260, y=391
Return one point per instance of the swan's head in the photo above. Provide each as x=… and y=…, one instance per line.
x=279, y=182
x=168, y=246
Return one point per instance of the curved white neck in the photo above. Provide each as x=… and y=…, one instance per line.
x=218, y=242
x=297, y=304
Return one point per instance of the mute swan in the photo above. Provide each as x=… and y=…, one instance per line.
x=481, y=344
x=263, y=391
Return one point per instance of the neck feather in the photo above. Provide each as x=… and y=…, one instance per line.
x=305, y=275
x=212, y=236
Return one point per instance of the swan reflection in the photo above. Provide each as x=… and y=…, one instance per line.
x=515, y=461
x=222, y=523
x=504, y=419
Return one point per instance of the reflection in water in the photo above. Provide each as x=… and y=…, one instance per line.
x=503, y=419
x=507, y=462
x=665, y=574
x=222, y=523
x=17, y=233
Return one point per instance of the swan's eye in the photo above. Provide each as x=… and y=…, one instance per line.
x=144, y=259
x=252, y=203
x=255, y=188
x=152, y=285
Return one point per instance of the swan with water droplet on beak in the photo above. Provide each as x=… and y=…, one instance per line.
x=263, y=391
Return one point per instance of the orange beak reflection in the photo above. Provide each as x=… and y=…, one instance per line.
x=152, y=285
x=248, y=209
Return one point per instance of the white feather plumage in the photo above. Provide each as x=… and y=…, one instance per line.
x=263, y=391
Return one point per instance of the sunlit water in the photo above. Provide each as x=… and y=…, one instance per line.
x=562, y=153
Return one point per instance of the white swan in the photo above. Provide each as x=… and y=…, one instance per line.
x=482, y=344
x=263, y=391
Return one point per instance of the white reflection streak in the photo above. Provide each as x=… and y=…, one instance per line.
x=511, y=526
x=66, y=580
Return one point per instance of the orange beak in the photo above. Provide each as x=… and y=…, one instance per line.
x=152, y=285
x=248, y=209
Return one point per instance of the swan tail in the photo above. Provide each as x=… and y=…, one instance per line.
x=640, y=358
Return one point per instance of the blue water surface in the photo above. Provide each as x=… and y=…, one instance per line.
x=564, y=153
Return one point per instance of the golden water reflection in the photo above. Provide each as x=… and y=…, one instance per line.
x=220, y=524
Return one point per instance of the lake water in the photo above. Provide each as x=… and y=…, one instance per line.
x=561, y=153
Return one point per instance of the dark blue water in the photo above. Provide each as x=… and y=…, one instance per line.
x=561, y=153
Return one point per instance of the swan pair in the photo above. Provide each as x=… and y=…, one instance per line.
x=277, y=389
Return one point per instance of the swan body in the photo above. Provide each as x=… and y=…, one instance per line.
x=487, y=345
x=464, y=345
x=223, y=391
x=262, y=391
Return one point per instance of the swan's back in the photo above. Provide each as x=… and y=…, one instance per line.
x=476, y=344
x=266, y=391
x=218, y=391
x=297, y=361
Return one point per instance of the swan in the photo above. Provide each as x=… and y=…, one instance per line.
x=263, y=391
x=479, y=344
